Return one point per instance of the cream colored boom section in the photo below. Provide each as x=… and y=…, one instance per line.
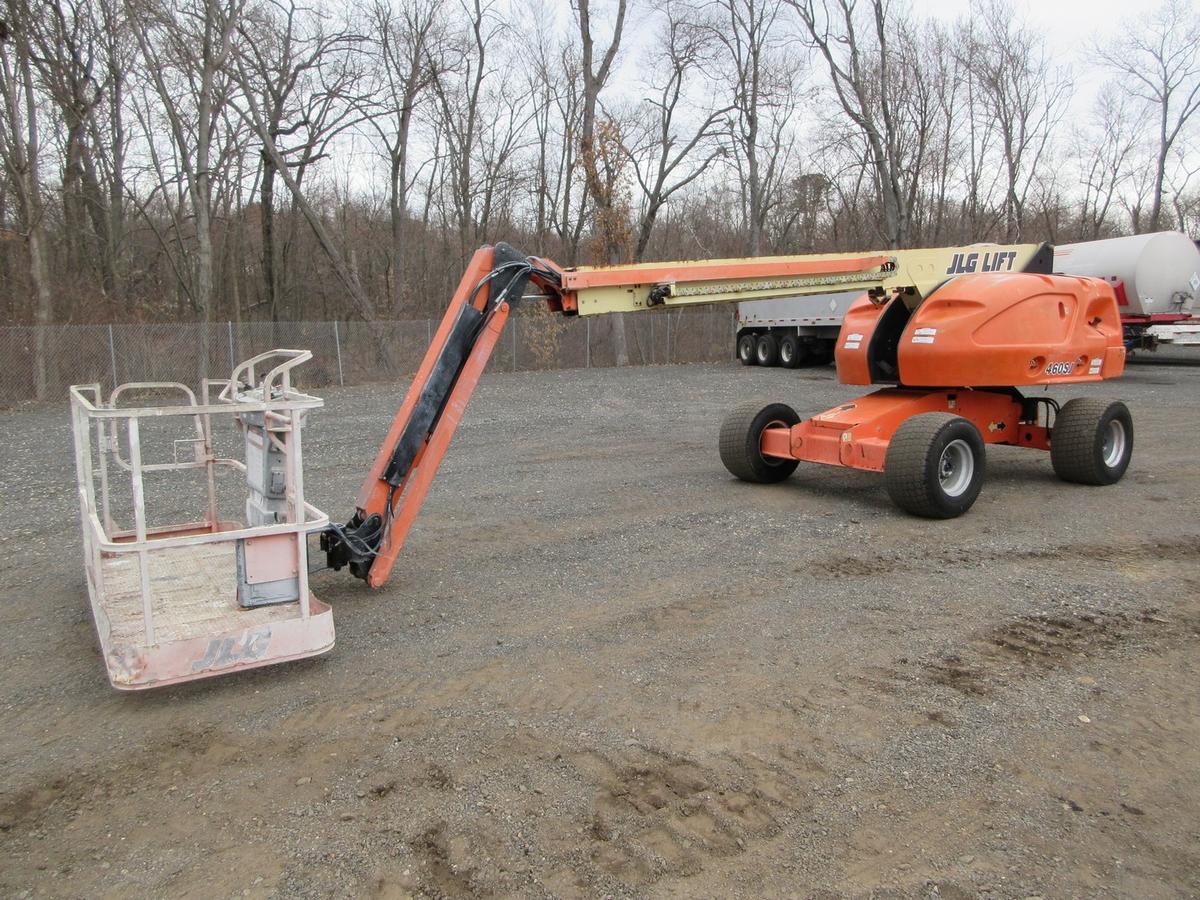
x=916, y=273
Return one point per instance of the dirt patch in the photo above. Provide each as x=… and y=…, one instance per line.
x=1037, y=644
x=605, y=668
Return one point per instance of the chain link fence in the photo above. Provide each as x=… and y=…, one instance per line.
x=40, y=363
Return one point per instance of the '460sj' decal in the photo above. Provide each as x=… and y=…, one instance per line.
x=1060, y=368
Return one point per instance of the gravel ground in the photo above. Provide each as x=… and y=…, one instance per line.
x=605, y=668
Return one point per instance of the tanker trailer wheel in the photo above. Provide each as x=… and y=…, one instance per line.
x=745, y=349
x=1092, y=441
x=766, y=350
x=934, y=465
x=741, y=438
x=792, y=351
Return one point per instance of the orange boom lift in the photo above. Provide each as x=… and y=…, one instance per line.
x=953, y=333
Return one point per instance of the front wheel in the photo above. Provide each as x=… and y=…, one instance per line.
x=1092, y=441
x=741, y=442
x=745, y=349
x=934, y=465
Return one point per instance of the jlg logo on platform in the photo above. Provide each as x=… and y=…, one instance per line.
x=995, y=261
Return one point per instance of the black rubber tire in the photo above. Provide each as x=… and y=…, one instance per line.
x=1077, y=441
x=741, y=434
x=766, y=350
x=746, y=346
x=792, y=351
x=912, y=468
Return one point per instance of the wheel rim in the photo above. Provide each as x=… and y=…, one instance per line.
x=746, y=349
x=785, y=352
x=1115, y=440
x=771, y=460
x=761, y=351
x=956, y=468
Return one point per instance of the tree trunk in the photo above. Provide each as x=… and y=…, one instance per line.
x=266, y=201
x=72, y=193
x=754, y=186
x=620, y=341
x=19, y=142
x=602, y=195
x=644, y=232
x=97, y=207
x=204, y=271
x=399, y=213
x=40, y=275
x=1160, y=175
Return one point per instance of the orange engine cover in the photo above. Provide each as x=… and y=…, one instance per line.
x=989, y=331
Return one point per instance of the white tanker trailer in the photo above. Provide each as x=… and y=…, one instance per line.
x=1156, y=278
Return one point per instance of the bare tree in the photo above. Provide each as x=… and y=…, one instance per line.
x=862, y=71
x=481, y=117
x=110, y=137
x=305, y=76
x=1104, y=149
x=1187, y=209
x=978, y=216
x=185, y=47
x=1158, y=58
x=560, y=189
x=197, y=157
x=943, y=119
x=1181, y=171
x=596, y=155
x=667, y=151
x=595, y=77
x=798, y=216
x=409, y=59
x=69, y=60
x=761, y=71
x=20, y=148
x=251, y=111
x=1025, y=93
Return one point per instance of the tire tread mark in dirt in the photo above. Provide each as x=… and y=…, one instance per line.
x=1183, y=548
x=1033, y=645
x=661, y=815
x=432, y=847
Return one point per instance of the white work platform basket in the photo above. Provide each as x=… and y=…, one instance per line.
x=197, y=561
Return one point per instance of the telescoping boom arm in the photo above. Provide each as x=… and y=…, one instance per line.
x=497, y=278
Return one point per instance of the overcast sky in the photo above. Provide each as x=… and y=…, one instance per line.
x=1062, y=17
x=1067, y=25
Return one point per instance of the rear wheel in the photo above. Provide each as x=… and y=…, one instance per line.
x=935, y=465
x=741, y=442
x=746, y=348
x=792, y=351
x=1092, y=441
x=766, y=350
